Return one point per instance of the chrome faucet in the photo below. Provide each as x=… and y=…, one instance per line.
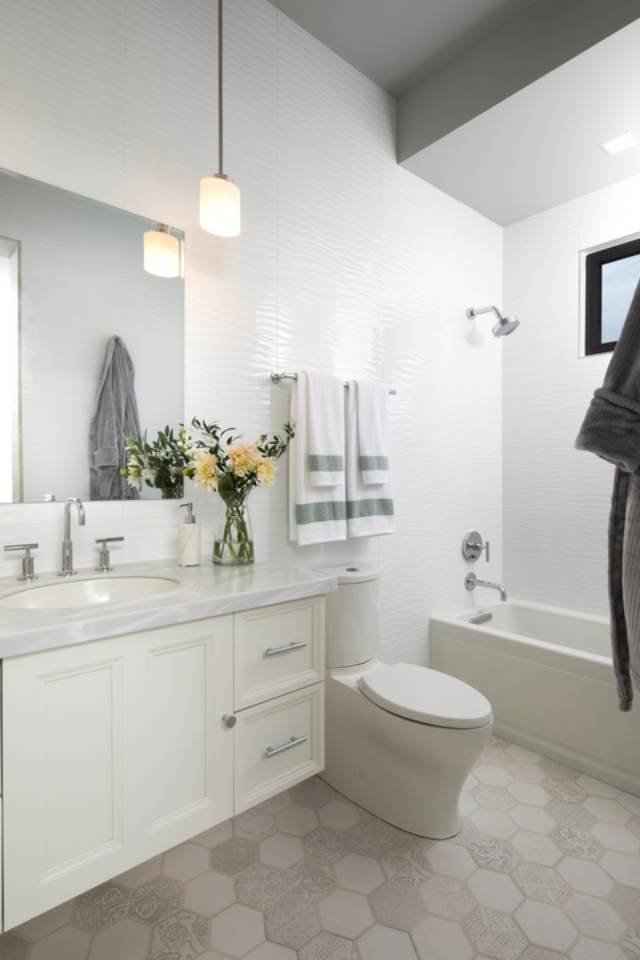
x=471, y=582
x=67, y=544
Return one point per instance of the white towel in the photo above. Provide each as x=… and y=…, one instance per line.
x=325, y=411
x=369, y=507
x=316, y=514
x=373, y=432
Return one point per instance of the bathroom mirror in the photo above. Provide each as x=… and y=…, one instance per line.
x=72, y=279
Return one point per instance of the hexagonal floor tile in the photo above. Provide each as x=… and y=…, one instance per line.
x=338, y=815
x=608, y=810
x=536, y=847
x=495, y=934
x=594, y=917
x=546, y=926
x=234, y=855
x=68, y=943
x=616, y=837
x=494, y=776
x=255, y=824
x=281, y=850
x=297, y=821
x=448, y=898
x=493, y=854
x=237, y=930
x=493, y=823
x=585, y=876
x=209, y=894
x=530, y=793
x=345, y=913
x=313, y=793
x=185, y=862
x=438, y=939
x=623, y=867
x=532, y=819
x=183, y=935
x=358, y=873
x=127, y=938
x=156, y=900
x=101, y=907
x=328, y=946
x=588, y=949
x=538, y=882
x=493, y=798
x=398, y=905
x=450, y=860
x=292, y=922
x=495, y=890
x=271, y=951
x=382, y=943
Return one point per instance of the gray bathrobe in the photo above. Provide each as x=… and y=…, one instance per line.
x=611, y=429
x=115, y=418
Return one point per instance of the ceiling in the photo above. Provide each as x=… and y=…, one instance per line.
x=540, y=147
x=399, y=42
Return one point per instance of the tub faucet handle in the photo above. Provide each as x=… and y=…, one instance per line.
x=473, y=546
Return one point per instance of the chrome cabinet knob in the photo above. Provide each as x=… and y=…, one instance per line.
x=229, y=720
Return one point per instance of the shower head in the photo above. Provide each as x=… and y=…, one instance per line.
x=503, y=327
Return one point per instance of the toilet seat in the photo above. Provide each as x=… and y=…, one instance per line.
x=425, y=696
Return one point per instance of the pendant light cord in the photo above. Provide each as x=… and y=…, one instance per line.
x=220, y=108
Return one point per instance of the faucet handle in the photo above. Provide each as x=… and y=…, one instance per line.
x=104, y=561
x=28, y=569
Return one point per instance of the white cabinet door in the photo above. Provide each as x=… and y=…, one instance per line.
x=113, y=751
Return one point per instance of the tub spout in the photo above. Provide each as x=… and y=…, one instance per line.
x=471, y=582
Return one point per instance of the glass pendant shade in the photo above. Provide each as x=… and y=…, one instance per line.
x=162, y=254
x=220, y=206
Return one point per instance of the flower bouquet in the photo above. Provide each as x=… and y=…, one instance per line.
x=221, y=462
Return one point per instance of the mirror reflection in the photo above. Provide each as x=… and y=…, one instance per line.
x=91, y=344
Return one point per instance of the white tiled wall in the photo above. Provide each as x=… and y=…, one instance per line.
x=556, y=499
x=347, y=262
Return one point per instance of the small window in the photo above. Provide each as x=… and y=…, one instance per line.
x=612, y=275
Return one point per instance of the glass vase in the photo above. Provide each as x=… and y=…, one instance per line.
x=233, y=542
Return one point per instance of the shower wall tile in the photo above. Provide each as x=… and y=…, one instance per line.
x=556, y=499
x=347, y=263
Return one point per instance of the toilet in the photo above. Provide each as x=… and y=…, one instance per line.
x=400, y=739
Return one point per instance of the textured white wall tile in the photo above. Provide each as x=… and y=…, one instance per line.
x=556, y=499
x=346, y=262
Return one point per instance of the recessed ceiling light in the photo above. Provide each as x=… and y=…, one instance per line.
x=623, y=141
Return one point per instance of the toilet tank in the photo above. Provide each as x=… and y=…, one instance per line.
x=353, y=615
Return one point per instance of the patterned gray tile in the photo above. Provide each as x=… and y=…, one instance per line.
x=101, y=907
x=398, y=905
x=181, y=937
x=156, y=900
x=494, y=934
x=254, y=824
x=631, y=944
x=571, y=815
x=494, y=854
x=568, y=791
x=259, y=885
x=407, y=867
x=234, y=855
x=329, y=946
x=575, y=842
x=324, y=845
x=292, y=922
x=542, y=953
x=541, y=883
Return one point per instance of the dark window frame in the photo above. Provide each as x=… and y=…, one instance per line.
x=593, y=292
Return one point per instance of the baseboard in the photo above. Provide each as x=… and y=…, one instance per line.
x=571, y=758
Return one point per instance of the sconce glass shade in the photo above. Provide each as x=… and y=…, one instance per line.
x=220, y=206
x=162, y=254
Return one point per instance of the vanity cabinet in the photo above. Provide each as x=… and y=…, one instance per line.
x=118, y=749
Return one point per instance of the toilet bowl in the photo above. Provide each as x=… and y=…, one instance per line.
x=400, y=739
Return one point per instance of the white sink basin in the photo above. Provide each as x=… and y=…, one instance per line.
x=94, y=592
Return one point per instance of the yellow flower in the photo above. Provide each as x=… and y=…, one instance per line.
x=206, y=467
x=244, y=459
x=266, y=471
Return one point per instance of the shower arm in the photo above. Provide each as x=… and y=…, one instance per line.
x=473, y=312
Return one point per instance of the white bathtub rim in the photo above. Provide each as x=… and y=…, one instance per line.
x=579, y=658
x=614, y=776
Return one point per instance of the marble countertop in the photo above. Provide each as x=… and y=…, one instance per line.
x=204, y=591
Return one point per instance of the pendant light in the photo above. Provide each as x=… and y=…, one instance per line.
x=162, y=252
x=219, y=195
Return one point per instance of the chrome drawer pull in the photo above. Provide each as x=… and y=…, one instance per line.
x=292, y=742
x=286, y=648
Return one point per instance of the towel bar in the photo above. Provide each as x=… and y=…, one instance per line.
x=279, y=377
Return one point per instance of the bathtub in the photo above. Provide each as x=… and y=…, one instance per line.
x=548, y=674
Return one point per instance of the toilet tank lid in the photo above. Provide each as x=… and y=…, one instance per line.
x=426, y=696
x=356, y=572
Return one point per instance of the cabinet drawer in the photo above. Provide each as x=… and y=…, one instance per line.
x=278, y=649
x=278, y=744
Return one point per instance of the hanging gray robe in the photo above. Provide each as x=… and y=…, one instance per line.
x=611, y=429
x=115, y=418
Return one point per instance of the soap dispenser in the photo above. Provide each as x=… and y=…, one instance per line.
x=189, y=539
